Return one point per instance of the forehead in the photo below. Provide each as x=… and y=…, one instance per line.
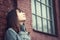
x=20, y=13
x=19, y=10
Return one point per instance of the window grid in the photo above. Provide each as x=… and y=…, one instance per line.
x=46, y=17
x=50, y=5
x=47, y=20
x=35, y=14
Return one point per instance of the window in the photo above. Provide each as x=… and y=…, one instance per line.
x=42, y=16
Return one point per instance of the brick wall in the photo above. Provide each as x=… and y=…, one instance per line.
x=25, y=5
x=5, y=5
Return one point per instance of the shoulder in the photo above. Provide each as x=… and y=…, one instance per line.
x=11, y=31
x=10, y=34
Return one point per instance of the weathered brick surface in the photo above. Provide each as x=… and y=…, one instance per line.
x=5, y=6
x=25, y=5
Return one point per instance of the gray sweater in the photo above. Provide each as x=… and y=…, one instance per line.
x=12, y=35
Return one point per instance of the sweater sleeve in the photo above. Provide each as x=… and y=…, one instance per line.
x=10, y=35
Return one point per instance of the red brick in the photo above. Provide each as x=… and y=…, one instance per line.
x=2, y=20
x=5, y=6
x=25, y=5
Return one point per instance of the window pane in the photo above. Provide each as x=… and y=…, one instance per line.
x=47, y=2
x=43, y=19
x=33, y=22
x=38, y=8
x=44, y=25
x=48, y=12
x=33, y=6
x=43, y=1
x=50, y=2
x=39, y=23
x=43, y=11
x=53, y=28
x=38, y=0
x=49, y=27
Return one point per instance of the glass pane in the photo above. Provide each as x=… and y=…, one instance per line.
x=48, y=12
x=38, y=0
x=43, y=11
x=49, y=27
x=33, y=22
x=43, y=1
x=33, y=6
x=45, y=25
x=50, y=2
x=47, y=2
x=39, y=24
x=53, y=28
x=38, y=8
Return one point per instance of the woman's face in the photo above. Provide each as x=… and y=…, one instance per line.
x=21, y=16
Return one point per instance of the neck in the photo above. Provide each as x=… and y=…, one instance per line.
x=21, y=23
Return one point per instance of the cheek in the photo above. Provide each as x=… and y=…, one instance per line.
x=19, y=18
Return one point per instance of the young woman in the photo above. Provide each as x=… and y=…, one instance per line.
x=15, y=18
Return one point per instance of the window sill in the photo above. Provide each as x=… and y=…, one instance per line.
x=56, y=35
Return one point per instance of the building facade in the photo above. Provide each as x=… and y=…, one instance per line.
x=28, y=8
